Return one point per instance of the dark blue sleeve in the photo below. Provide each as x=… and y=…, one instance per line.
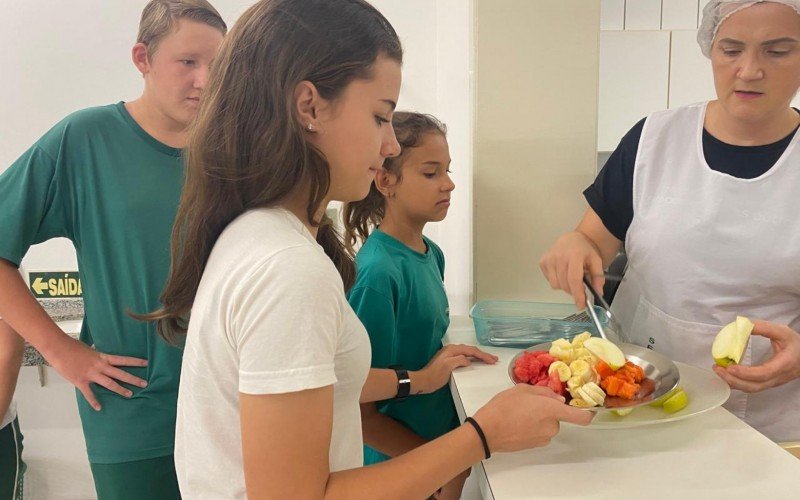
x=611, y=194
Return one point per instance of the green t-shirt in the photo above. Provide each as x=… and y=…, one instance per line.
x=100, y=180
x=399, y=295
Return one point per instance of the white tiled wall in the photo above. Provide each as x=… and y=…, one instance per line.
x=690, y=76
x=642, y=14
x=612, y=15
x=634, y=76
x=678, y=14
x=649, y=60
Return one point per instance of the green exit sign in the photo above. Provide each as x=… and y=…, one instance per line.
x=61, y=285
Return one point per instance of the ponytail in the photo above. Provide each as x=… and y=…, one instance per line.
x=340, y=253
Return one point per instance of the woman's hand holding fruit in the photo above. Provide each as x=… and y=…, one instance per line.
x=782, y=367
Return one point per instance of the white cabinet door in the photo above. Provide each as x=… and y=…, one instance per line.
x=642, y=14
x=690, y=79
x=634, y=71
x=612, y=15
x=679, y=14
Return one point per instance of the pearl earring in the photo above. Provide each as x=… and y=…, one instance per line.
x=310, y=127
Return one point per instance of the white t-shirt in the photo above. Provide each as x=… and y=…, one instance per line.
x=270, y=317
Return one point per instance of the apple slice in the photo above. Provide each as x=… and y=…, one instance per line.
x=731, y=342
x=607, y=351
x=658, y=403
x=676, y=402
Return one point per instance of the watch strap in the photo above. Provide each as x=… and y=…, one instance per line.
x=403, y=382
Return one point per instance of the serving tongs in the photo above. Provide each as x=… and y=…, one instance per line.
x=612, y=325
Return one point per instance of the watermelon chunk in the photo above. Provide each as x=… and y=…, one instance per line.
x=555, y=384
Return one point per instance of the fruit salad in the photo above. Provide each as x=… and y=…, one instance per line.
x=586, y=371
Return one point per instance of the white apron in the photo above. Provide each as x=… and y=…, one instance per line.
x=705, y=246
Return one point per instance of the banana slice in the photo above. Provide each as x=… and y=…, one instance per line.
x=563, y=370
x=587, y=397
x=578, y=340
x=582, y=369
x=562, y=354
x=592, y=375
x=584, y=354
x=573, y=384
x=561, y=343
x=580, y=403
x=591, y=392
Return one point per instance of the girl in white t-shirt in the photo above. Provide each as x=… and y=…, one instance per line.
x=297, y=113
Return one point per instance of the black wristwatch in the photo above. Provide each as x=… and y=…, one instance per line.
x=403, y=382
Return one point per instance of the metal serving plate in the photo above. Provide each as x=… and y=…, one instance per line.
x=661, y=370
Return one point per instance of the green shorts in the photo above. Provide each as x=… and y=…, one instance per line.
x=12, y=468
x=143, y=479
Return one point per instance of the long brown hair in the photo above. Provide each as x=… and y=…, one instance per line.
x=247, y=148
x=361, y=216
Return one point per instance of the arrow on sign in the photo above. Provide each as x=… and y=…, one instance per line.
x=39, y=286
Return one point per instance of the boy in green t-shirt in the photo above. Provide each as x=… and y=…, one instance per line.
x=109, y=178
x=399, y=292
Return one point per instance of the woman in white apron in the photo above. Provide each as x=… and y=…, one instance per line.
x=706, y=200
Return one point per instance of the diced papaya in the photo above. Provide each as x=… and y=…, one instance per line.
x=603, y=369
x=628, y=391
x=635, y=371
x=639, y=374
x=613, y=385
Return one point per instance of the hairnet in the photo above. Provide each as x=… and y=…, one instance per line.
x=716, y=11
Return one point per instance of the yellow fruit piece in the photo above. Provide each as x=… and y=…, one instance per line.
x=676, y=402
x=561, y=350
x=624, y=412
x=579, y=339
x=573, y=384
x=579, y=403
x=592, y=393
x=584, y=354
x=582, y=369
x=562, y=369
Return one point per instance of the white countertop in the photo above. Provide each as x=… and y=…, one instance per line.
x=712, y=455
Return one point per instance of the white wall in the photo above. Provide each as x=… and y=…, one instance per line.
x=78, y=55
x=536, y=129
x=437, y=79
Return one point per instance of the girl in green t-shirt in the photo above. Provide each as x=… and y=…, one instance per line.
x=399, y=292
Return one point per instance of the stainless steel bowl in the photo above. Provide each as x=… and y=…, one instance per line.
x=661, y=370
